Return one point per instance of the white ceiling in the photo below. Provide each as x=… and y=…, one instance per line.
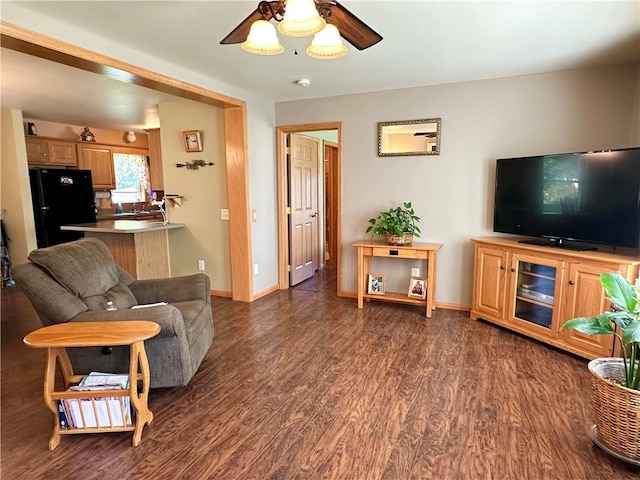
x=425, y=43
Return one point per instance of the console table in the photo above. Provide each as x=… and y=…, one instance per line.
x=420, y=251
x=57, y=338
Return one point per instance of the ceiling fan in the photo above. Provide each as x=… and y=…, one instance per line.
x=351, y=28
x=425, y=134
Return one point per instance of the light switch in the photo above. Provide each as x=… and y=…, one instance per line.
x=254, y=215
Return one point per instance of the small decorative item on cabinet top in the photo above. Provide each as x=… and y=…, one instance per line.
x=87, y=135
x=31, y=128
x=397, y=224
x=192, y=141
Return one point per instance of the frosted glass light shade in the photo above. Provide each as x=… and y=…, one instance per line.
x=327, y=44
x=131, y=137
x=301, y=19
x=262, y=39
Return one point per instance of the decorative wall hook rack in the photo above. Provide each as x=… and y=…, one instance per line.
x=195, y=165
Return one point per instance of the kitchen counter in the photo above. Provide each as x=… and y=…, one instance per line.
x=146, y=215
x=122, y=226
x=140, y=247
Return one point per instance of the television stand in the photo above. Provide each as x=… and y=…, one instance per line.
x=558, y=243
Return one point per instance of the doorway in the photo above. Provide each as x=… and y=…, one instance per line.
x=330, y=197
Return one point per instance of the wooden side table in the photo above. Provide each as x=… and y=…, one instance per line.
x=420, y=251
x=57, y=338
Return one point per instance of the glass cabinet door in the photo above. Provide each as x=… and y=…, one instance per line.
x=536, y=293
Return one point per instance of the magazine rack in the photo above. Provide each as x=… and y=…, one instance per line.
x=57, y=338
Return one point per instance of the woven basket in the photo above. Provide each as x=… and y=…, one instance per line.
x=405, y=239
x=617, y=408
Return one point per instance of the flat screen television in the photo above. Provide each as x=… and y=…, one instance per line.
x=571, y=199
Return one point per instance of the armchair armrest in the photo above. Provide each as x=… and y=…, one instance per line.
x=170, y=290
x=168, y=317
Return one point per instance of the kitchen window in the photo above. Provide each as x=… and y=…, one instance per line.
x=132, y=178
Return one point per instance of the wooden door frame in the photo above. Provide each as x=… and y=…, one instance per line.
x=283, y=223
x=235, y=131
x=334, y=200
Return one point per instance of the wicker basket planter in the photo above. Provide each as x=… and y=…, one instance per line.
x=406, y=239
x=617, y=408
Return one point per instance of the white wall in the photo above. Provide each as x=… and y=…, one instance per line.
x=481, y=121
x=206, y=235
x=14, y=173
x=260, y=120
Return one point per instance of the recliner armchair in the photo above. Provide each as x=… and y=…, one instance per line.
x=72, y=282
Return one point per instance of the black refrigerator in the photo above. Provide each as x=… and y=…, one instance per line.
x=60, y=197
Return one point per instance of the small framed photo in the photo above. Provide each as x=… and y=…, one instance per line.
x=417, y=287
x=376, y=284
x=192, y=141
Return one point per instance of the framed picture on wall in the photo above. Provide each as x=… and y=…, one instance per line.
x=376, y=284
x=192, y=141
x=417, y=287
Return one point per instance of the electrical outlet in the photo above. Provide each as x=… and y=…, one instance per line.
x=201, y=265
x=256, y=270
x=224, y=214
x=415, y=272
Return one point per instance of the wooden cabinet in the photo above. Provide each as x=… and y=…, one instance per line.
x=534, y=290
x=490, y=281
x=156, y=180
x=98, y=159
x=43, y=151
x=416, y=251
x=585, y=297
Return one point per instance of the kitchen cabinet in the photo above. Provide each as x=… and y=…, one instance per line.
x=98, y=159
x=156, y=181
x=534, y=290
x=44, y=151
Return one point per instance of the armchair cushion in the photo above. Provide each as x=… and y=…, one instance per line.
x=86, y=268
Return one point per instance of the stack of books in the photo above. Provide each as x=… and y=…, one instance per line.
x=99, y=411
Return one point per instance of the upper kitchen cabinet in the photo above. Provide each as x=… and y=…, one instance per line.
x=98, y=159
x=156, y=180
x=43, y=151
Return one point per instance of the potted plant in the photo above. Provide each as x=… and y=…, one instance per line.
x=616, y=381
x=398, y=225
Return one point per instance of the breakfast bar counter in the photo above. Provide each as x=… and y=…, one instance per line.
x=141, y=248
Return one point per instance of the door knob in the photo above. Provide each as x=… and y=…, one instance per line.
x=315, y=214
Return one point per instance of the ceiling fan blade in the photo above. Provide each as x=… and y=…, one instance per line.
x=425, y=134
x=352, y=29
x=241, y=32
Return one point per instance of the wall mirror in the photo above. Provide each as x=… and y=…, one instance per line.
x=409, y=137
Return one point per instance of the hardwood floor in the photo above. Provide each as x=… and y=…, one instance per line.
x=303, y=385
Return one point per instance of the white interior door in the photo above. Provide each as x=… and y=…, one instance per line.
x=303, y=205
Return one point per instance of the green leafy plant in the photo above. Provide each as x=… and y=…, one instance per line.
x=395, y=221
x=625, y=315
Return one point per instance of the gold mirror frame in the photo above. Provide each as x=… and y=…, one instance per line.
x=397, y=139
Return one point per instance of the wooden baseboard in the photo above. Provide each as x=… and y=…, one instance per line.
x=453, y=306
x=267, y=291
x=221, y=293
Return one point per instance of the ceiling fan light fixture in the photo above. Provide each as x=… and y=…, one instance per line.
x=262, y=39
x=327, y=44
x=301, y=19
